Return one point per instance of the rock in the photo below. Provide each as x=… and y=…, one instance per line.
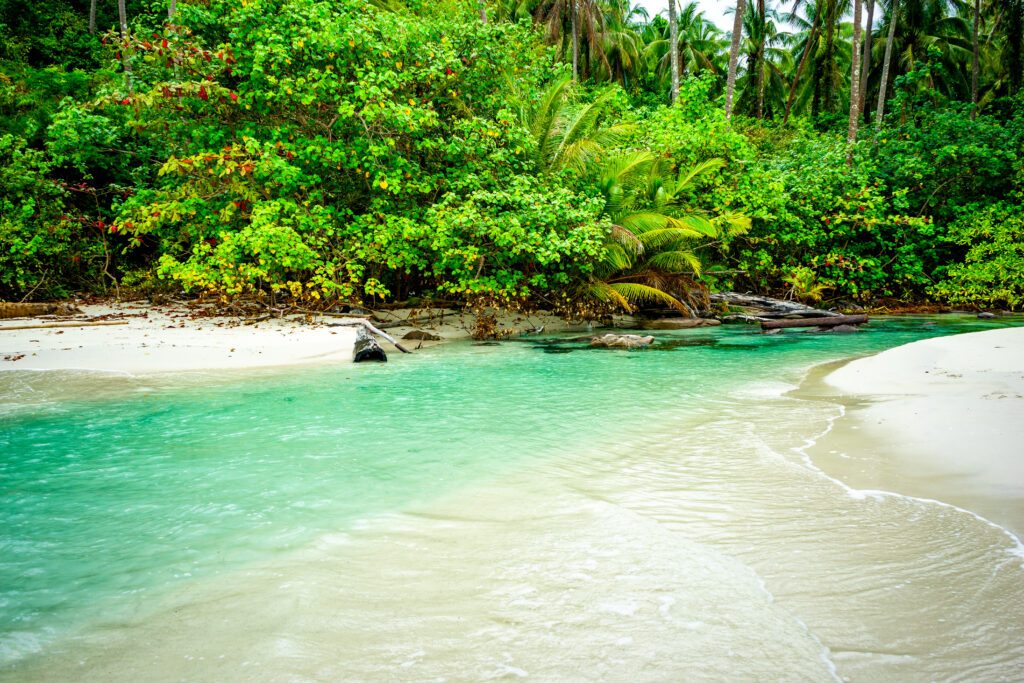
x=421, y=335
x=366, y=348
x=840, y=329
x=678, y=323
x=622, y=341
x=986, y=315
x=735, y=318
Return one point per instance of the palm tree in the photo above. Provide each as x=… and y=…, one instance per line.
x=886, y=63
x=122, y=15
x=851, y=136
x=673, y=42
x=584, y=21
x=865, y=60
x=734, y=56
x=569, y=136
x=809, y=46
x=975, y=59
x=699, y=44
x=621, y=45
x=650, y=256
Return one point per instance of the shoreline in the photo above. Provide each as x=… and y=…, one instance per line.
x=936, y=419
x=162, y=339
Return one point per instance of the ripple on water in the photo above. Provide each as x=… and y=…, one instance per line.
x=502, y=512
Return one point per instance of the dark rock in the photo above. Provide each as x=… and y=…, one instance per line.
x=366, y=348
x=421, y=335
x=678, y=323
x=622, y=341
x=842, y=329
x=986, y=315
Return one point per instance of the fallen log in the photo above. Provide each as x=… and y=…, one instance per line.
x=766, y=307
x=367, y=349
x=23, y=310
x=43, y=326
x=830, y=321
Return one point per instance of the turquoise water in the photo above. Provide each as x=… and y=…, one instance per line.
x=114, y=497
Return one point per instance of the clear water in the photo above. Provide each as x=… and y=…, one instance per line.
x=535, y=508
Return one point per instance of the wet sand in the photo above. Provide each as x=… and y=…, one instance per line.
x=939, y=418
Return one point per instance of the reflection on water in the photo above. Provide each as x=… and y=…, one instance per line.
x=478, y=512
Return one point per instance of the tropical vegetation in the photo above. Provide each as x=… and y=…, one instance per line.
x=586, y=156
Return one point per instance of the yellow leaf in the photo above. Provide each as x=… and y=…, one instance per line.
x=383, y=184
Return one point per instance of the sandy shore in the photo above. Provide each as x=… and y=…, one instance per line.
x=940, y=418
x=176, y=338
x=158, y=339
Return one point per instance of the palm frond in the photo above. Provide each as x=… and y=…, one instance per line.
x=636, y=294
x=676, y=261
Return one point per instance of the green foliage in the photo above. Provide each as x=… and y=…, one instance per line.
x=42, y=250
x=992, y=272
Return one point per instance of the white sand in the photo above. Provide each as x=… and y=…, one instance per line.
x=169, y=339
x=944, y=417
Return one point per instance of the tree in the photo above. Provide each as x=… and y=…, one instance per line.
x=122, y=15
x=92, y=16
x=975, y=58
x=886, y=62
x=673, y=43
x=865, y=60
x=810, y=45
x=760, y=59
x=734, y=56
x=851, y=136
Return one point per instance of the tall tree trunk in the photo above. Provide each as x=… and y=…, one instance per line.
x=826, y=97
x=851, y=135
x=880, y=109
x=122, y=14
x=975, y=59
x=865, y=60
x=92, y=17
x=734, y=56
x=480, y=3
x=673, y=46
x=575, y=43
x=800, y=67
x=172, y=8
x=759, y=109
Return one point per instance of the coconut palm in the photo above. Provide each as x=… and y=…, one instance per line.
x=569, y=136
x=651, y=255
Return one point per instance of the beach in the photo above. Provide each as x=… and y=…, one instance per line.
x=938, y=418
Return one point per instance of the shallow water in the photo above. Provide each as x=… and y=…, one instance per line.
x=479, y=512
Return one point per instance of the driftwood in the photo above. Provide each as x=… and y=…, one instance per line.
x=366, y=325
x=367, y=349
x=764, y=307
x=13, y=310
x=830, y=321
x=46, y=325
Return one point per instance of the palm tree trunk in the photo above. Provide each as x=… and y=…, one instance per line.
x=759, y=110
x=673, y=46
x=851, y=135
x=122, y=14
x=865, y=60
x=734, y=56
x=575, y=44
x=828, y=63
x=880, y=109
x=800, y=67
x=480, y=3
x=92, y=17
x=975, y=59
